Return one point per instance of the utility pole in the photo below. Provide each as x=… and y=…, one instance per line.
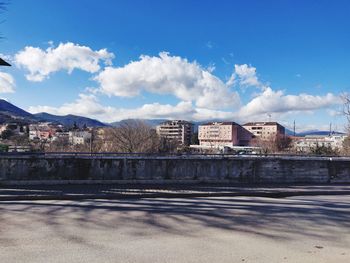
x=294, y=128
x=91, y=138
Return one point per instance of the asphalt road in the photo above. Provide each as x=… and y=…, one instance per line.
x=221, y=229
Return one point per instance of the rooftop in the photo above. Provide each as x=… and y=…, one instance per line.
x=261, y=123
x=219, y=123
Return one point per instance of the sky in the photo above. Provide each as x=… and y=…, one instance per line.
x=231, y=60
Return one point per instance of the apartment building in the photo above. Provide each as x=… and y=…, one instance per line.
x=221, y=134
x=179, y=131
x=265, y=130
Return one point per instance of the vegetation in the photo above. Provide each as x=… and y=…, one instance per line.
x=275, y=144
x=132, y=136
x=194, y=139
x=324, y=150
x=3, y=148
x=346, y=112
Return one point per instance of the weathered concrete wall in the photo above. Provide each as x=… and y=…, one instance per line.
x=177, y=169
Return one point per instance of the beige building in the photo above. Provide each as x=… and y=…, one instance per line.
x=79, y=137
x=177, y=130
x=221, y=134
x=265, y=130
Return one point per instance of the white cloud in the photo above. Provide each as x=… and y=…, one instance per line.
x=244, y=76
x=88, y=105
x=247, y=75
x=66, y=56
x=7, y=83
x=171, y=75
x=201, y=94
x=270, y=101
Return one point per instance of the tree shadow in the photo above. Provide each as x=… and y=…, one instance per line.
x=326, y=218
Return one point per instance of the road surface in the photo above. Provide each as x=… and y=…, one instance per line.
x=216, y=229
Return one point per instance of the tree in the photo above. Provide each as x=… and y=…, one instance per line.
x=132, y=136
x=323, y=150
x=274, y=144
x=194, y=139
x=346, y=146
x=167, y=145
x=283, y=142
x=7, y=134
x=61, y=144
x=346, y=111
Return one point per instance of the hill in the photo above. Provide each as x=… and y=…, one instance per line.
x=12, y=113
x=69, y=120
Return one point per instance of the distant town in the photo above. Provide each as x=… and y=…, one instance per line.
x=21, y=131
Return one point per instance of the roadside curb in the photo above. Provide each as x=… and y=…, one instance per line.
x=268, y=194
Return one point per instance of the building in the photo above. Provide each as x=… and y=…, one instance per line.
x=223, y=134
x=179, y=131
x=265, y=130
x=79, y=137
x=43, y=131
x=309, y=142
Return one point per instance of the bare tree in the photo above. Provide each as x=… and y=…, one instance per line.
x=346, y=109
x=273, y=144
x=132, y=136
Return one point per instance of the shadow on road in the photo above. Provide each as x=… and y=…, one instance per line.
x=326, y=218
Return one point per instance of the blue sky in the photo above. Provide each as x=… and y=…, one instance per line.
x=237, y=60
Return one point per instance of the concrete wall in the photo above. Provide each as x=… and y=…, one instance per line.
x=177, y=169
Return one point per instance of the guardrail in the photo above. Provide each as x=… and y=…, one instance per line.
x=140, y=154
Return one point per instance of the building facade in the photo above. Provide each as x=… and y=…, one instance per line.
x=221, y=134
x=179, y=131
x=79, y=137
x=309, y=142
x=265, y=130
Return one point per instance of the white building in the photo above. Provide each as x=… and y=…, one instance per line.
x=309, y=142
x=79, y=137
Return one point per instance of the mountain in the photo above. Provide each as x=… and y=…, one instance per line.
x=151, y=122
x=11, y=113
x=154, y=122
x=69, y=120
x=318, y=132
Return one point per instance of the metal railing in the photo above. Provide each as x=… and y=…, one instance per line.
x=140, y=154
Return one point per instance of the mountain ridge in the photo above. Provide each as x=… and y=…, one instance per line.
x=11, y=113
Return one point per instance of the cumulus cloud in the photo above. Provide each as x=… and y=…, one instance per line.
x=7, y=83
x=165, y=74
x=270, y=101
x=89, y=106
x=66, y=56
x=201, y=95
x=244, y=76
